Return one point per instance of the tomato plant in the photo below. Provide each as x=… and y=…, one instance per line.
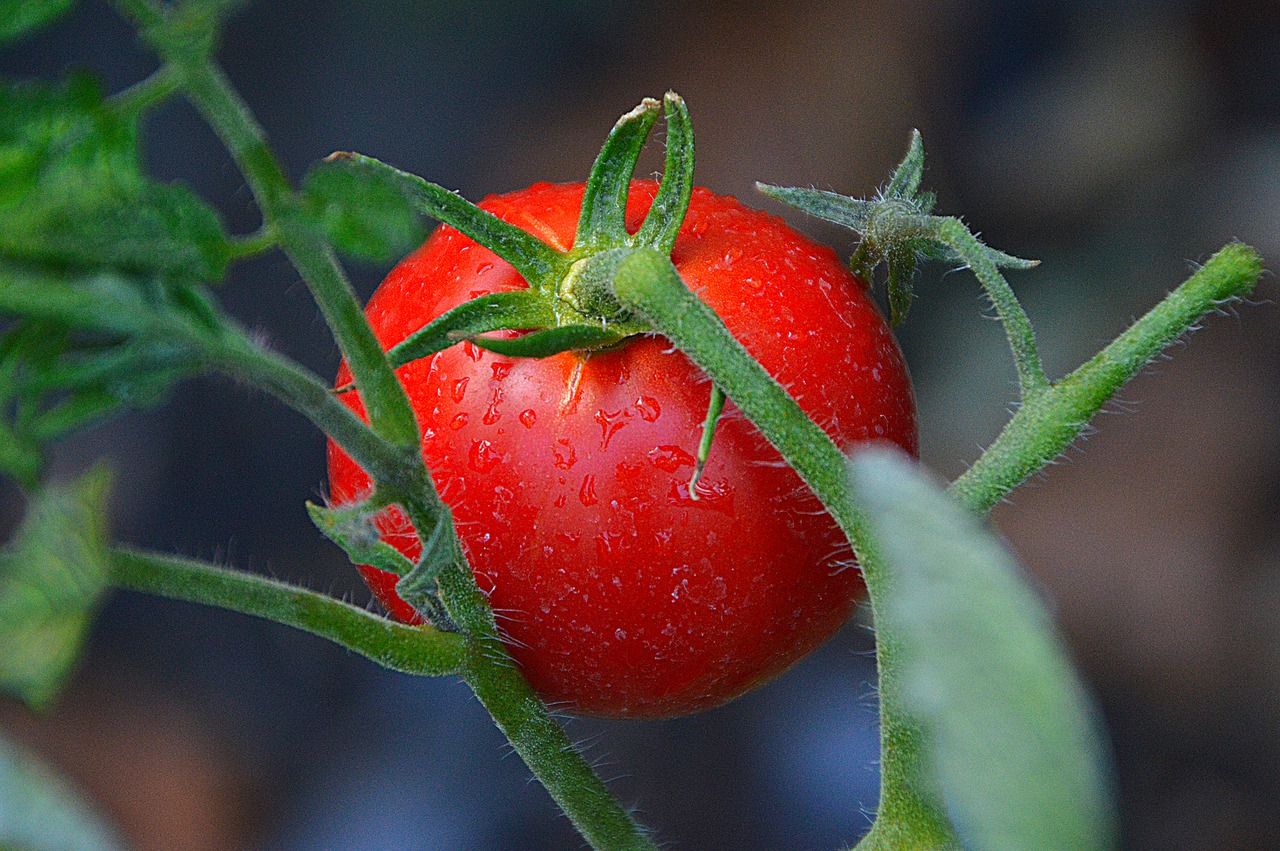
x=618, y=590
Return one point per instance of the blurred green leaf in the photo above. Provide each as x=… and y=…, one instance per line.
x=72, y=192
x=364, y=213
x=19, y=17
x=52, y=576
x=40, y=812
x=1012, y=736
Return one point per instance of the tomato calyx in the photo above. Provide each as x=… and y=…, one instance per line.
x=897, y=229
x=569, y=305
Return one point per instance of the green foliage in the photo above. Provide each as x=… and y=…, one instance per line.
x=72, y=193
x=1010, y=734
x=40, y=812
x=19, y=17
x=52, y=576
x=364, y=213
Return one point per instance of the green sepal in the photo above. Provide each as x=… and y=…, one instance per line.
x=1011, y=736
x=602, y=222
x=53, y=575
x=517, y=310
x=20, y=17
x=551, y=341
x=537, y=262
x=663, y=221
x=352, y=528
x=896, y=229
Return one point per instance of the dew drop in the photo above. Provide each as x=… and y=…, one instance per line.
x=610, y=423
x=483, y=267
x=648, y=408
x=620, y=634
x=458, y=422
x=483, y=456
x=501, y=369
x=566, y=456
x=670, y=458
x=472, y=350
x=528, y=417
x=587, y=493
x=459, y=389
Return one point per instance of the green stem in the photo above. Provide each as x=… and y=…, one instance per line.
x=211, y=92
x=152, y=91
x=233, y=352
x=1049, y=422
x=1022, y=337
x=648, y=283
x=413, y=650
x=515, y=708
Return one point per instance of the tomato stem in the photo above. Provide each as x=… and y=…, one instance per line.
x=424, y=651
x=602, y=223
x=647, y=282
x=1045, y=425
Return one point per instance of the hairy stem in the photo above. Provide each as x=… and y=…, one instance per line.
x=412, y=650
x=648, y=283
x=1048, y=422
x=212, y=94
x=1022, y=337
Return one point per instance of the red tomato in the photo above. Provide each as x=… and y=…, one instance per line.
x=616, y=592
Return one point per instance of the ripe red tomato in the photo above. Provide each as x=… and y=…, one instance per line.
x=616, y=592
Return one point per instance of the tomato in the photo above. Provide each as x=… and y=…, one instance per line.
x=616, y=591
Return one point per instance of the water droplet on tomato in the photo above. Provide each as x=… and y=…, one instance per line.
x=566, y=457
x=670, y=458
x=717, y=496
x=648, y=408
x=472, y=350
x=610, y=423
x=569, y=538
x=528, y=417
x=483, y=267
x=561, y=500
x=587, y=493
x=501, y=369
x=620, y=634
x=483, y=456
x=458, y=422
x=459, y=389
x=491, y=414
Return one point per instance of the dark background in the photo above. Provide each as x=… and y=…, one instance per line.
x=1118, y=143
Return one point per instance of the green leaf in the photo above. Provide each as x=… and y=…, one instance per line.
x=53, y=574
x=39, y=811
x=72, y=192
x=1012, y=736
x=364, y=213
x=19, y=17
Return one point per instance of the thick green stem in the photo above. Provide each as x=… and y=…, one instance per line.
x=1050, y=421
x=648, y=283
x=413, y=650
x=514, y=706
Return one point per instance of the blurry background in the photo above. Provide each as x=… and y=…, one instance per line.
x=1118, y=143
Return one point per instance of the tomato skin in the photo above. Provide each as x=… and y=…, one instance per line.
x=616, y=593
